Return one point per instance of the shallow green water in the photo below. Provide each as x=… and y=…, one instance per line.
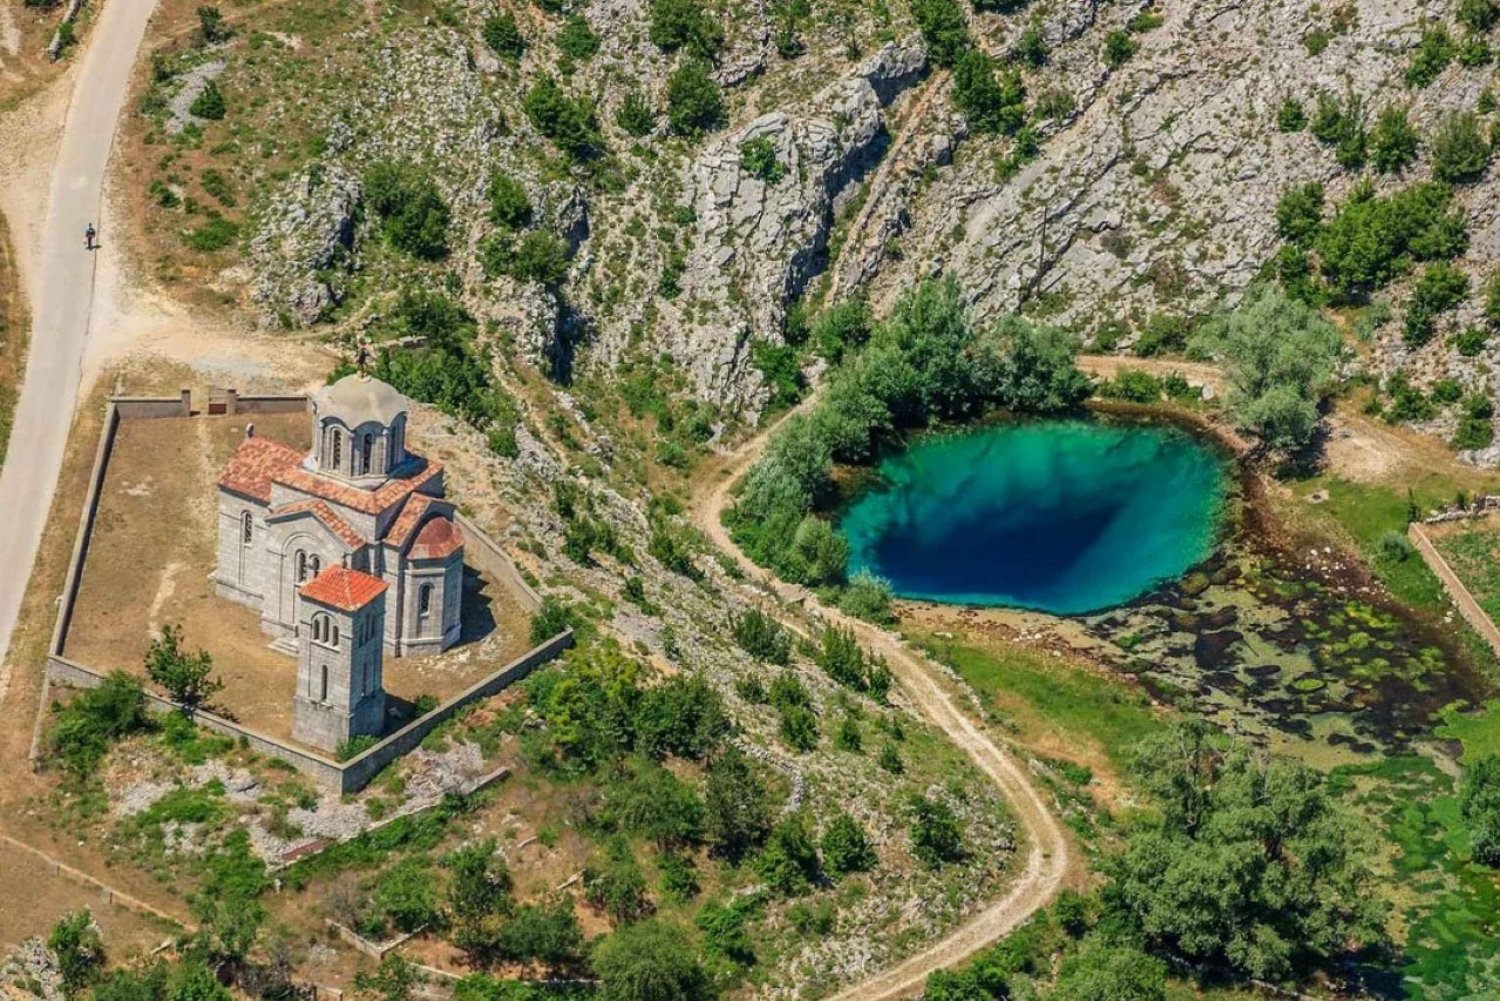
x=1063, y=516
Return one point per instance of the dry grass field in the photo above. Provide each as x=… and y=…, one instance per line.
x=32, y=898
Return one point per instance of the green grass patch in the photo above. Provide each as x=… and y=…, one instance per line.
x=1080, y=703
x=1479, y=732
x=1446, y=903
x=1472, y=555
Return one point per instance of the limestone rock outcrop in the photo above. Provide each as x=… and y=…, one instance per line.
x=759, y=241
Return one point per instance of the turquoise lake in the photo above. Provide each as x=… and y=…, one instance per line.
x=1066, y=517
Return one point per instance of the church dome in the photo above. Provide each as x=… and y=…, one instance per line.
x=359, y=399
x=359, y=430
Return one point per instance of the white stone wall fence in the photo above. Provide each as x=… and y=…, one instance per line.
x=1481, y=505
x=343, y=777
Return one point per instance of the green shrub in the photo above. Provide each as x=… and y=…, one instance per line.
x=212, y=28
x=1163, y=334
x=758, y=158
x=724, y=933
x=1480, y=808
x=780, y=372
x=1299, y=212
x=652, y=959
x=1291, y=117
x=1279, y=355
x=568, y=122
x=789, y=861
x=1372, y=239
x=1031, y=47
x=1478, y=15
x=1132, y=385
x=84, y=730
x=1118, y=48
x=552, y=618
x=510, y=206
x=576, y=40
x=355, y=746
x=840, y=328
x=787, y=20
x=185, y=677
x=1393, y=143
x=990, y=103
x=1408, y=403
x=695, y=104
x=414, y=218
x=1474, y=51
x=687, y=25
x=1476, y=427
x=846, y=847
x=541, y=257
x=1459, y=152
x=1432, y=56
x=79, y=948
x=209, y=104
x=1470, y=341
x=407, y=894
x=613, y=883
x=1055, y=104
x=944, y=27
x=216, y=185
x=215, y=234
x=1315, y=41
x=503, y=35
x=636, y=115
x=936, y=837
x=1440, y=288
x=799, y=728
x=867, y=597
x=736, y=815
x=761, y=637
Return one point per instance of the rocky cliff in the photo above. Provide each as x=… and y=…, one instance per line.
x=1151, y=190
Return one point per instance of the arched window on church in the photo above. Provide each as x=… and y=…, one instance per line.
x=336, y=449
x=301, y=566
x=366, y=450
x=247, y=528
x=325, y=630
x=424, y=600
x=314, y=565
x=324, y=696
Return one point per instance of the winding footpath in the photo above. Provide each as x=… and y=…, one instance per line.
x=62, y=296
x=1048, y=852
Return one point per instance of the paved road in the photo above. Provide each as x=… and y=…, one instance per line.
x=62, y=296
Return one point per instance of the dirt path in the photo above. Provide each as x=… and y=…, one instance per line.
x=1196, y=373
x=1048, y=853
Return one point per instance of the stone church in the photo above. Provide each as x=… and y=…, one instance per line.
x=349, y=552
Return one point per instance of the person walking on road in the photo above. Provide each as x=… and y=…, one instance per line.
x=88, y=237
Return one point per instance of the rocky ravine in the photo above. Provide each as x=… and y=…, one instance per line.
x=759, y=244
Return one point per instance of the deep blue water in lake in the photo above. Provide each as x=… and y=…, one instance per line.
x=1063, y=516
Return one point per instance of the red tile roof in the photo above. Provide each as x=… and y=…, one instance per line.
x=398, y=533
x=338, y=526
x=439, y=538
x=344, y=589
x=255, y=464
x=365, y=501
